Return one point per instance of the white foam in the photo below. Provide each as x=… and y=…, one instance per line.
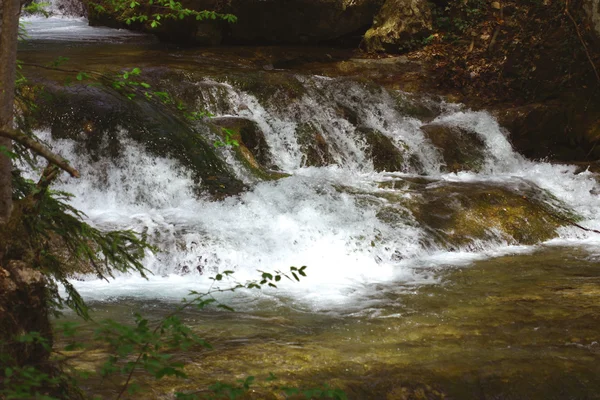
x=325, y=218
x=61, y=28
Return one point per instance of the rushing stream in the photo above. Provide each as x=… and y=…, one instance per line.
x=427, y=276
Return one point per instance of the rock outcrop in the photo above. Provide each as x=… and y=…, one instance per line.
x=399, y=26
x=554, y=131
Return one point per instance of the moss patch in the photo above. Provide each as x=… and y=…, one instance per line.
x=461, y=149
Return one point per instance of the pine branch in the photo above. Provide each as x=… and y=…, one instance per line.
x=39, y=149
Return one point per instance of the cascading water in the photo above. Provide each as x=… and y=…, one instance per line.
x=330, y=217
x=439, y=262
x=65, y=21
x=355, y=217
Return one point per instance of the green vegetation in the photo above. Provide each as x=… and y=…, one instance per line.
x=457, y=17
x=155, y=12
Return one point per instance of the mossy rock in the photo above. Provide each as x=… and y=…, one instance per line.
x=96, y=118
x=251, y=149
x=461, y=214
x=314, y=146
x=400, y=26
x=384, y=153
x=274, y=88
x=250, y=136
x=417, y=106
x=461, y=149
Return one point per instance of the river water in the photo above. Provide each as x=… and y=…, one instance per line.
x=421, y=282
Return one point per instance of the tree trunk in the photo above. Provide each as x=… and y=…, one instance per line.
x=9, y=30
x=23, y=309
x=23, y=294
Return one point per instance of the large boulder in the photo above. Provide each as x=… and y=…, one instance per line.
x=471, y=215
x=461, y=149
x=466, y=215
x=98, y=121
x=260, y=21
x=399, y=26
x=386, y=155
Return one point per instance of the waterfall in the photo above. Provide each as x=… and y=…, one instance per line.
x=66, y=21
x=352, y=225
x=64, y=8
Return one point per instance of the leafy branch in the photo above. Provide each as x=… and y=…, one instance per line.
x=148, y=347
x=153, y=12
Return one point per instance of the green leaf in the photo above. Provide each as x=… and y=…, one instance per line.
x=248, y=382
x=290, y=391
x=7, y=153
x=133, y=388
x=271, y=377
x=73, y=346
x=266, y=275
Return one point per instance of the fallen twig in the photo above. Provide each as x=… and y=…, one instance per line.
x=40, y=149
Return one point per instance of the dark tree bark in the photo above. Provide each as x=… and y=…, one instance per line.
x=23, y=293
x=9, y=30
x=23, y=309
